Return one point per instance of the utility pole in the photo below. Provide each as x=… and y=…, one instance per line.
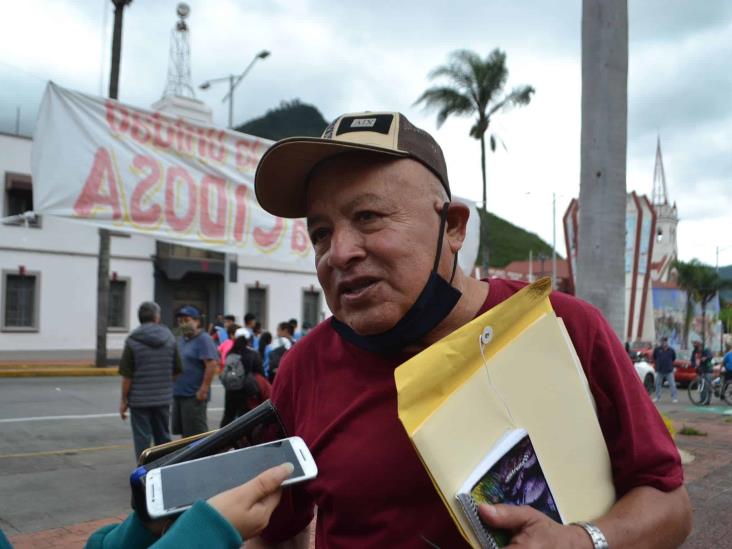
x=100, y=359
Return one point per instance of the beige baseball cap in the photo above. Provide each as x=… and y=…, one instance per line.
x=282, y=174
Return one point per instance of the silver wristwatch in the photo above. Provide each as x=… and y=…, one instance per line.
x=596, y=535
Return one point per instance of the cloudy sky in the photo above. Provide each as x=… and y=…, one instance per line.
x=345, y=56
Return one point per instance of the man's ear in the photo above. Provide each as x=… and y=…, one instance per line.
x=457, y=223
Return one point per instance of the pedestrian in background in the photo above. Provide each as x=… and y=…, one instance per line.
x=192, y=388
x=663, y=357
x=701, y=360
x=225, y=347
x=727, y=363
x=149, y=362
x=277, y=349
x=296, y=334
x=243, y=381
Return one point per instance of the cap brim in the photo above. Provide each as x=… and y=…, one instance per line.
x=280, y=182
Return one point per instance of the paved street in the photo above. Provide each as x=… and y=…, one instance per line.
x=65, y=458
x=65, y=455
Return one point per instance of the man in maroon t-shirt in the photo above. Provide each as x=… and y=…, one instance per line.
x=375, y=192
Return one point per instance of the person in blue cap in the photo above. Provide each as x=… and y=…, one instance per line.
x=192, y=389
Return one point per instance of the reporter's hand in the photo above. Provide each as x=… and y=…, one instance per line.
x=530, y=528
x=248, y=507
x=123, y=410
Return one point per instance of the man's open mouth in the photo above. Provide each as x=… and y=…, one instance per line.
x=357, y=287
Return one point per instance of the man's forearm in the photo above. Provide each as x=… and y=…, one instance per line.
x=211, y=367
x=126, y=384
x=300, y=541
x=646, y=517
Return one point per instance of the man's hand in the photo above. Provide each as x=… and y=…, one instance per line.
x=123, y=409
x=532, y=529
x=202, y=393
x=249, y=506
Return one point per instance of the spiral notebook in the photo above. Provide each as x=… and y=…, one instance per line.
x=510, y=473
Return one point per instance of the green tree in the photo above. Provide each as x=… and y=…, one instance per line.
x=474, y=87
x=701, y=284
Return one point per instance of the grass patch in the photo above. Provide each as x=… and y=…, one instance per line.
x=691, y=432
x=728, y=420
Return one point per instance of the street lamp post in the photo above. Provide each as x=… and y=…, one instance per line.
x=233, y=83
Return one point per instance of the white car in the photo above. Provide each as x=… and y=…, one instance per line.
x=647, y=375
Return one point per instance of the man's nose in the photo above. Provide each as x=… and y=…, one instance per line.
x=346, y=247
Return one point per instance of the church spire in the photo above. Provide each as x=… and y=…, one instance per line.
x=179, y=67
x=660, y=195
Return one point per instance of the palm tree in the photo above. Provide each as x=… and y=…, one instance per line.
x=701, y=283
x=601, y=246
x=474, y=88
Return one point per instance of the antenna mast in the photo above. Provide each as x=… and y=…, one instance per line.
x=179, y=67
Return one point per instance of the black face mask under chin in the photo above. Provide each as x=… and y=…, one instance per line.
x=437, y=299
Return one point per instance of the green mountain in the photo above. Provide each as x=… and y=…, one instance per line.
x=291, y=118
x=508, y=242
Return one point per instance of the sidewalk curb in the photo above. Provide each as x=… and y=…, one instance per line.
x=59, y=372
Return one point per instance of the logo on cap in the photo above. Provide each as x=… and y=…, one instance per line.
x=363, y=123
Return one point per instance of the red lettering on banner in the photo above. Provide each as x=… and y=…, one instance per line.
x=139, y=130
x=118, y=117
x=240, y=212
x=178, y=223
x=94, y=195
x=300, y=242
x=202, y=141
x=217, y=146
x=151, y=215
x=268, y=239
x=164, y=131
x=213, y=227
x=246, y=155
x=184, y=137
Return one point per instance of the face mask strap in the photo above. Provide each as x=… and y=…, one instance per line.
x=443, y=222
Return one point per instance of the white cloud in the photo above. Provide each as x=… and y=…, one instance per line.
x=346, y=56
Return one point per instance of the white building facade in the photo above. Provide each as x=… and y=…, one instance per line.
x=49, y=279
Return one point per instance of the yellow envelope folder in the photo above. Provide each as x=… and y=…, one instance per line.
x=454, y=406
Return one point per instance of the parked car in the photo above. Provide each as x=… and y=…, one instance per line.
x=646, y=374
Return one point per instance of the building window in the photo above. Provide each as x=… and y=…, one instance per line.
x=20, y=301
x=311, y=309
x=19, y=198
x=117, y=318
x=257, y=304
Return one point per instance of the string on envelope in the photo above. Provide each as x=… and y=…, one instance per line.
x=483, y=340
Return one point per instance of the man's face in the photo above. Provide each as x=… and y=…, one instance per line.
x=374, y=225
x=187, y=321
x=228, y=322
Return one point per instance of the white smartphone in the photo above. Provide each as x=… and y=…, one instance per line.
x=175, y=488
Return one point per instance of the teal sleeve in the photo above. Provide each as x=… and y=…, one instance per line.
x=129, y=534
x=200, y=526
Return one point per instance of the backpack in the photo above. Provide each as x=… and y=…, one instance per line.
x=235, y=376
x=275, y=356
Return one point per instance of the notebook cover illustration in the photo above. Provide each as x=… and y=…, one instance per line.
x=510, y=474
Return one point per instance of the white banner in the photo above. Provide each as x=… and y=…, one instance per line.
x=139, y=171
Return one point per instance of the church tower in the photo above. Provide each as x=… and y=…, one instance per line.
x=665, y=250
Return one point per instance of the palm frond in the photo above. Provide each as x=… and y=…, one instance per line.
x=518, y=97
x=447, y=101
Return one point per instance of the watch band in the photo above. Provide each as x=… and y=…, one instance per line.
x=598, y=538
